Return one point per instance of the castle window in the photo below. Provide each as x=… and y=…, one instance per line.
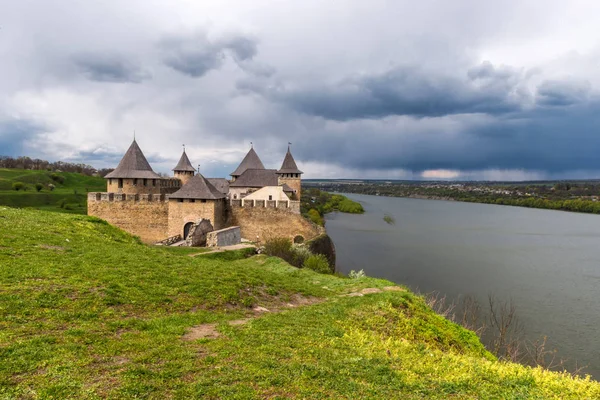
x=203, y=201
x=192, y=200
x=270, y=197
x=153, y=182
x=110, y=181
x=235, y=196
x=180, y=200
x=120, y=183
x=145, y=182
x=134, y=181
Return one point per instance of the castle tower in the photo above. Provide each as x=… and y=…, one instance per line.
x=197, y=199
x=290, y=175
x=184, y=169
x=133, y=175
x=251, y=161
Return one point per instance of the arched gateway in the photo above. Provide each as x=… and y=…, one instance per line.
x=186, y=229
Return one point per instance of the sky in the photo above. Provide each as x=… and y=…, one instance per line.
x=434, y=89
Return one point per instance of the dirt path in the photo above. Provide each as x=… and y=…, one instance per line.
x=209, y=330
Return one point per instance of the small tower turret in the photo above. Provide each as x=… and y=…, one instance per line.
x=184, y=170
x=251, y=161
x=133, y=175
x=290, y=175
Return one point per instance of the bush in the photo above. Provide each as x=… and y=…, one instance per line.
x=39, y=187
x=58, y=178
x=315, y=217
x=318, y=263
x=18, y=186
x=279, y=247
x=298, y=239
x=301, y=254
x=51, y=187
x=282, y=248
x=356, y=275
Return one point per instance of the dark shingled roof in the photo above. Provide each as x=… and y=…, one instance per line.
x=184, y=164
x=251, y=161
x=221, y=184
x=256, y=178
x=133, y=165
x=289, y=165
x=198, y=187
x=286, y=188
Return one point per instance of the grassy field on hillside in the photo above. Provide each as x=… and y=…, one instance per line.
x=69, y=194
x=86, y=311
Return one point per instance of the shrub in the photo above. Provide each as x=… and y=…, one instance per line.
x=57, y=178
x=283, y=248
x=18, y=186
x=51, y=187
x=279, y=247
x=356, y=275
x=318, y=263
x=298, y=239
x=315, y=217
x=39, y=187
x=301, y=254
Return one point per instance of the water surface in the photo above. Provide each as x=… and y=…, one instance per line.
x=547, y=261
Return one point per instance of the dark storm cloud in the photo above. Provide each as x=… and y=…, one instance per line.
x=542, y=140
x=195, y=55
x=406, y=91
x=15, y=134
x=562, y=93
x=109, y=68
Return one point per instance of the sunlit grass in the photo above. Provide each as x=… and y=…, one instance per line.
x=86, y=311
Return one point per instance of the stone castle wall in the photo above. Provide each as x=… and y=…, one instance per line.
x=224, y=237
x=270, y=221
x=143, y=215
x=143, y=186
x=294, y=183
x=182, y=212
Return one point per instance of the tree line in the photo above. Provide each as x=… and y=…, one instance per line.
x=37, y=164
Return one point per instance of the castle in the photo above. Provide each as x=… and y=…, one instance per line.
x=262, y=202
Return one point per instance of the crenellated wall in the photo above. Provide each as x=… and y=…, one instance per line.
x=273, y=219
x=144, y=215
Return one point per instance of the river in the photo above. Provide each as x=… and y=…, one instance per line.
x=547, y=262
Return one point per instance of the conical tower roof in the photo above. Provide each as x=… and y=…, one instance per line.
x=198, y=187
x=133, y=165
x=251, y=161
x=289, y=164
x=184, y=164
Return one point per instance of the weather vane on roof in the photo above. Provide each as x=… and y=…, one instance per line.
x=198, y=168
x=251, y=145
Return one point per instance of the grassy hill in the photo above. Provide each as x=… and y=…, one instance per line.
x=86, y=311
x=69, y=194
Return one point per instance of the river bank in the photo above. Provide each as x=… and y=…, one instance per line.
x=546, y=262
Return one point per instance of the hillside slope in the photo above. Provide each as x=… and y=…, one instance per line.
x=88, y=312
x=69, y=194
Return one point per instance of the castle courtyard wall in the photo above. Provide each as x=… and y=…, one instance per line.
x=271, y=222
x=143, y=215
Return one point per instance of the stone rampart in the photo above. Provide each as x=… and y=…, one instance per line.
x=270, y=222
x=224, y=237
x=143, y=215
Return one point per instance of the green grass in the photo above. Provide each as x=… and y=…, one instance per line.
x=86, y=311
x=71, y=192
